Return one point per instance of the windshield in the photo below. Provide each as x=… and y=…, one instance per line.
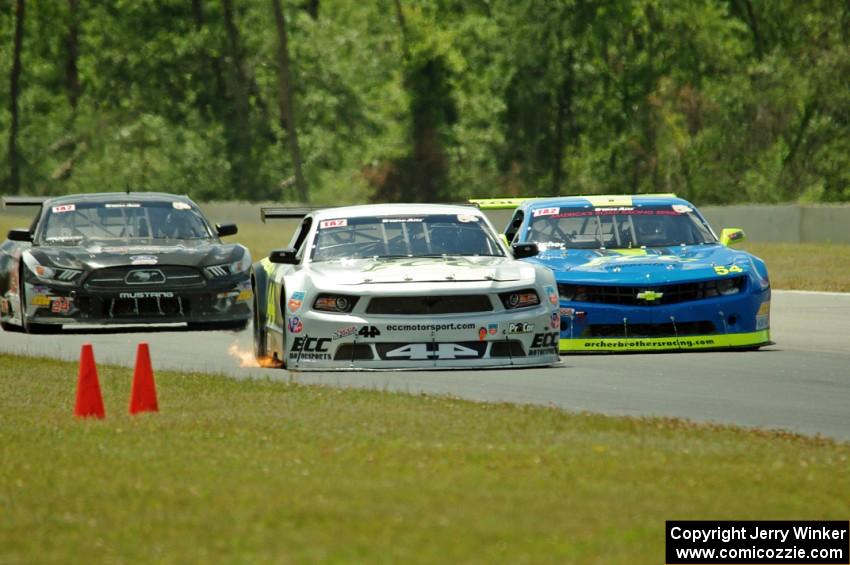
x=617, y=228
x=404, y=236
x=122, y=221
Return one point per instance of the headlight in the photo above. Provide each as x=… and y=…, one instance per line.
x=234, y=268
x=566, y=291
x=520, y=299
x=335, y=303
x=241, y=265
x=572, y=292
x=728, y=286
x=50, y=274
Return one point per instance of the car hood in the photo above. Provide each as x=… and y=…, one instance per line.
x=98, y=256
x=656, y=265
x=421, y=269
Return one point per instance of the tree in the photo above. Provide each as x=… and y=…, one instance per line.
x=285, y=96
x=14, y=94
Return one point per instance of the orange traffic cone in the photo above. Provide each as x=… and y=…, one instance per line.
x=143, y=394
x=89, y=399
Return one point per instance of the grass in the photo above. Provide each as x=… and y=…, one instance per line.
x=259, y=471
x=800, y=266
x=805, y=266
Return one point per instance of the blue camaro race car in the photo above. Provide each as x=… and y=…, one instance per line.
x=643, y=273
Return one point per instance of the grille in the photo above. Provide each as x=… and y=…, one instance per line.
x=510, y=348
x=353, y=352
x=649, y=330
x=145, y=307
x=425, y=305
x=174, y=277
x=627, y=295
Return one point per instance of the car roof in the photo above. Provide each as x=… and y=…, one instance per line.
x=367, y=210
x=117, y=197
x=603, y=200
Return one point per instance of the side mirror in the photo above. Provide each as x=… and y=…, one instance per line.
x=731, y=236
x=283, y=256
x=224, y=230
x=20, y=234
x=523, y=250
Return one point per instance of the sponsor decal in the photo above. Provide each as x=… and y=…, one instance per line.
x=143, y=260
x=568, y=312
x=553, y=295
x=64, y=208
x=145, y=276
x=369, y=332
x=40, y=300
x=493, y=329
x=427, y=351
x=340, y=223
x=180, y=206
x=521, y=328
x=116, y=250
x=244, y=296
x=544, y=344
x=310, y=349
x=466, y=218
x=555, y=321
x=428, y=327
x=401, y=220
x=146, y=295
x=344, y=332
x=681, y=209
x=61, y=305
x=544, y=212
x=482, y=333
x=123, y=205
x=295, y=301
x=295, y=325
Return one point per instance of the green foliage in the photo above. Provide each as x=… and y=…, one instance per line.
x=718, y=100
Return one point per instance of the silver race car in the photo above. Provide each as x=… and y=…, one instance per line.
x=401, y=286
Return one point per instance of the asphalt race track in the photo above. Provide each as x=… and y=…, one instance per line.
x=801, y=384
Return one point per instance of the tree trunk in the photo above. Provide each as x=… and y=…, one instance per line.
x=240, y=139
x=287, y=109
x=72, y=51
x=14, y=94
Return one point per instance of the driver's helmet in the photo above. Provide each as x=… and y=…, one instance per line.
x=445, y=238
x=178, y=225
x=651, y=230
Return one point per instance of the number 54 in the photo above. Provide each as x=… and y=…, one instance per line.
x=721, y=270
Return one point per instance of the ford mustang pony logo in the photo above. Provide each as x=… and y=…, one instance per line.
x=145, y=276
x=649, y=295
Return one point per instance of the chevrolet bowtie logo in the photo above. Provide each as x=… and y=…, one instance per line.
x=649, y=295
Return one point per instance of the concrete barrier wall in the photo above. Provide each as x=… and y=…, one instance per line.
x=782, y=223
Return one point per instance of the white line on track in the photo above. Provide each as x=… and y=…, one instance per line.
x=818, y=292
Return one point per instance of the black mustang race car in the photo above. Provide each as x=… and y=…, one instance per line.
x=136, y=258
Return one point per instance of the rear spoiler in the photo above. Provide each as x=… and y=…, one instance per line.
x=23, y=201
x=289, y=213
x=499, y=203
x=284, y=212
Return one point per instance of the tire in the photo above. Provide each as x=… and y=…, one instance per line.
x=261, y=353
x=7, y=327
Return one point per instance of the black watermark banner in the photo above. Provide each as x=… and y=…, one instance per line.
x=701, y=541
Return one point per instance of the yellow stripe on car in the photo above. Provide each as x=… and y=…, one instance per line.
x=499, y=203
x=665, y=343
